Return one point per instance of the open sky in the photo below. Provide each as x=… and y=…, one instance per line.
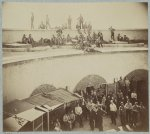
x=101, y=15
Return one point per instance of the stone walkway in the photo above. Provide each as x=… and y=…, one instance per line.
x=108, y=126
x=121, y=49
x=12, y=57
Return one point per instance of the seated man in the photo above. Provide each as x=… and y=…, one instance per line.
x=42, y=26
x=126, y=38
x=119, y=37
x=41, y=42
x=30, y=39
x=24, y=39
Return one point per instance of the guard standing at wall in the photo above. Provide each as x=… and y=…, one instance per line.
x=112, y=33
x=81, y=21
x=47, y=22
x=32, y=21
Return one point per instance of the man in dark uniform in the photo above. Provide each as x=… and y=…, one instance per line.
x=81, y=21
x=135, y=111
x=32, y=21
x=128, y=107
x=91, y=119
x=112, y=33
x=47, y=22
x=119, y=37
x=94, y=37
x=99, y=118
x=122, y=113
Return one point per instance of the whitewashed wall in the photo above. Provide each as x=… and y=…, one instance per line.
x=19, y=80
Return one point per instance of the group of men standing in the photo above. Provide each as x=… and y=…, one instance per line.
x=122, y=106
x=83, y=111
x=131, y=109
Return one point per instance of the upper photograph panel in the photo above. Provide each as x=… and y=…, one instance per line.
x=75, y=66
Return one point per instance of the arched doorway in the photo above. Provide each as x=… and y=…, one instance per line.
x=89, y=81
x=139, y=82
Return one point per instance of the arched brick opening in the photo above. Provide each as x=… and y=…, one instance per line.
x=90, y=80
x=44, y=88
x=139, y=82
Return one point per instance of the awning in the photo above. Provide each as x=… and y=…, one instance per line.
x=41, y=108
x=31, y=114
x=52, y=107
x=17, y=106
x=14, y=124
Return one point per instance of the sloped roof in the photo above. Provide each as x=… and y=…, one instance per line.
x=16, y=107
x=31, y=114
x=63, y=95
x=37, y=100
x=41, y=99
x=90, y=80
x=53, y=103
x=45, y=88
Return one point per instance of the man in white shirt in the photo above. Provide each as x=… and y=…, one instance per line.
x=133, y=97
x=113, y=112
x=128, y=107
x=78, y=112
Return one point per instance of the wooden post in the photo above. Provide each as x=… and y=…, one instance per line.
x=42, y=122
x=106, y=90
x=48, y=120
x=33, y=125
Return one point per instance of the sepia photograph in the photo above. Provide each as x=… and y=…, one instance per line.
x=75, y=66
